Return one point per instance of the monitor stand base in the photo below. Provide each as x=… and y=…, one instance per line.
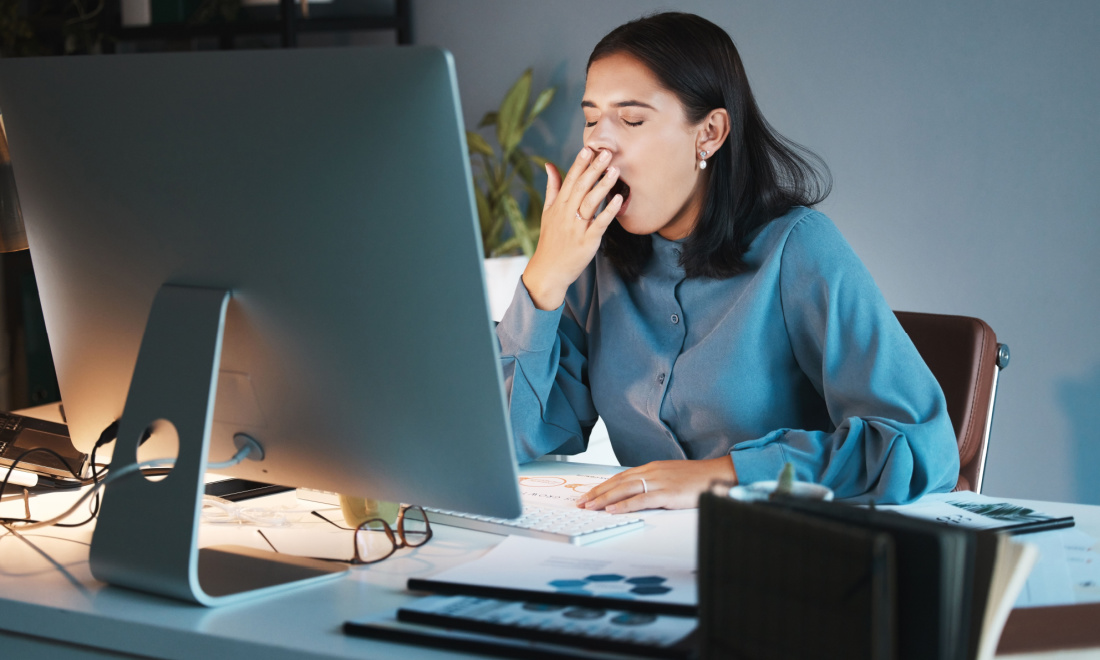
x=147, y=532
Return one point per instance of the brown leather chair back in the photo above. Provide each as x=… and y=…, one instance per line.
x=966, y=359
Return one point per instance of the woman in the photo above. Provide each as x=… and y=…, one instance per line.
x=683, y=290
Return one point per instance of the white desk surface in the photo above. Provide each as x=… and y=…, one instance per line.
x=47, y=593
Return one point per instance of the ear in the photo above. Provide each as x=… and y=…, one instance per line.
x=713, y=131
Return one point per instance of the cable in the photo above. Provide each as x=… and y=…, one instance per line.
x=241, y=454
x=113, y=476
x=107, y=435
x=19, y=459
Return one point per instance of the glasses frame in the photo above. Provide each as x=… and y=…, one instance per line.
x=397, y=538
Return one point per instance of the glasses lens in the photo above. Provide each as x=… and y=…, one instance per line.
x=415, y=526
x=374, y=541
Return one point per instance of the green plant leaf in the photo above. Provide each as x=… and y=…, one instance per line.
x=539, y=160
x=527, y=242
x=499, y=191
x=489, y=119
x=478, y=144
x=509, y=127
x=510, y=245
x=543, y=100
x=496, y=231
x=484, y=213
x=532, y=191
x=522, y=165
x=504, y=172
x=542, y=162
x=519, y=226
x=534, y=209
x=515, y=218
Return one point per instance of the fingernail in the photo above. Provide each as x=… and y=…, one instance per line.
x=612, y=509
x=604, y=155
x=586, y=153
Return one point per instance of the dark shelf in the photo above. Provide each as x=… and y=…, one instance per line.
x=184, y=31
x=288, y=25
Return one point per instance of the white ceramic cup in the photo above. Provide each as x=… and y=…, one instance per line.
x=760, y=490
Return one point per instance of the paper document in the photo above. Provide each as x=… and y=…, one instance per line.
x=556, y=491
x=975, y=511
x=1068, y=570
x=545, y=566
x=1083, y=557
x=1049, y=582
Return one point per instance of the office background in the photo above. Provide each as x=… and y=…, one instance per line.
x=963, y=139
x=964, y=142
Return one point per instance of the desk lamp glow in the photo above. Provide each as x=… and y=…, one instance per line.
x=290, y=238
x=13, y=237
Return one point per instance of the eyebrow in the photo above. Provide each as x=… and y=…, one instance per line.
x=620, y=104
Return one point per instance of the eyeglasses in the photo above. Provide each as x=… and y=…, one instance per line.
x=375, y=539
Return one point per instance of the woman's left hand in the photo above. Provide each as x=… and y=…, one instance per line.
x=659, y=485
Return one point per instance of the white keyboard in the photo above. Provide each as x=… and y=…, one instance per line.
x=576, y=526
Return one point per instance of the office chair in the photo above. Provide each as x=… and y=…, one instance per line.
x=966, y=359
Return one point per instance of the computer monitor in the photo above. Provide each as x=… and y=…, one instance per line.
x=290, y=238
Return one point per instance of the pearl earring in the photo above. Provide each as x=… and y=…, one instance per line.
x=702, y=160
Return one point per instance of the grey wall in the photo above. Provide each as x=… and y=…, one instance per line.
x=963, y=139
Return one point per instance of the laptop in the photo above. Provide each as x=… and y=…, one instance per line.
x=19, y=434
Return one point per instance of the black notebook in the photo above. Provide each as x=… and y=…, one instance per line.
x=793, y=578
x=526, y=629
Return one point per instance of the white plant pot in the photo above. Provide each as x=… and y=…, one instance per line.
x=501, y=278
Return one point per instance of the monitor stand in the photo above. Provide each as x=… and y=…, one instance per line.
x=147, y=532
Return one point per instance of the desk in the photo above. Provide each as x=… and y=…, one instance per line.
x=50, y=606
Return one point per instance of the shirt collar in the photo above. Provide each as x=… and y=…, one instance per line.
x=667, y=252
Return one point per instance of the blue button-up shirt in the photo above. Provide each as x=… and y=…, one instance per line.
x=799, y=359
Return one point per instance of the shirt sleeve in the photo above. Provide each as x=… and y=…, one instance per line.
x=545, y=365
x=893, y=439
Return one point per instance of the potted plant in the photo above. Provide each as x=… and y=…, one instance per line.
x=52, y=27
x=503, y=177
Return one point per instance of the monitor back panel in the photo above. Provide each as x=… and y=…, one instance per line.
x=329, y=191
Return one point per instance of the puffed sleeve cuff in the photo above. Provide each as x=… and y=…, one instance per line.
x=759, y=460
x=526, y=328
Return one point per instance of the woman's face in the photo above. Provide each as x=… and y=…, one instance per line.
x=642, y=124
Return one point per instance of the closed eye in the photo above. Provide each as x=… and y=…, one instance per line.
x=632, y=124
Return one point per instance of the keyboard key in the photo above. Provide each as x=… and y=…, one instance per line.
x=577, y=527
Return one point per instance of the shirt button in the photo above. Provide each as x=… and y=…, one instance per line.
x=661, y=379
x=675, y=318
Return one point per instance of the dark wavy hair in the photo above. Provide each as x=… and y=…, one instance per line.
x=756, y=176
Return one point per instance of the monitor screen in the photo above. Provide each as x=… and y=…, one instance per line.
x=328, y=191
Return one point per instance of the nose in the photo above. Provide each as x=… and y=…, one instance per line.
x=600, y=137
